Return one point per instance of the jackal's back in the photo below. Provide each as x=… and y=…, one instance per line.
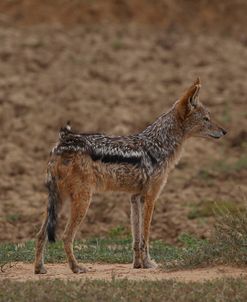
x=135, y=150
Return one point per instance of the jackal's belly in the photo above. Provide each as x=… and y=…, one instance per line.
x=119, y=177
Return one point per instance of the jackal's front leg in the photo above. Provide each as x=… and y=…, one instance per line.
x=148, y=204
x=136, y=223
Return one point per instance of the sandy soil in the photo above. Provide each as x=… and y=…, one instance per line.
x=115, y=79
x=224, y=17
x=24, y=272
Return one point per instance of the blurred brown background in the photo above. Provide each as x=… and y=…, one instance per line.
x=114, y=66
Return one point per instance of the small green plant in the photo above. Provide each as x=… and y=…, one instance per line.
x=13, y=217
x=205, y=174
x=231, y=235
x=117, y=44
x=117, y=231
x=241, y=164
x=189, y=240
x=227, y=245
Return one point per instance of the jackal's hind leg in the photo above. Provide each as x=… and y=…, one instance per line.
x=40, y=246
x=149, y=202
x=136, y=223
x=79, y=205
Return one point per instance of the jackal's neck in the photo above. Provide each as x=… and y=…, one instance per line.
x=166, y=134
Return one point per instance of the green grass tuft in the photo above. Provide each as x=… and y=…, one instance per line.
x=228, y=244
x=104, y=250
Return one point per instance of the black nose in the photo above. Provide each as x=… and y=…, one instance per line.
x=223, y=131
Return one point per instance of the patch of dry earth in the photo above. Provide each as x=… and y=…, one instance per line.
x=24, y=272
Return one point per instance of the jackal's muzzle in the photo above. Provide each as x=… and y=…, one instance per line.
x=218, y=133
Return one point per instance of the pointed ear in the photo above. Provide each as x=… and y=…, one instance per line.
x=189, y=99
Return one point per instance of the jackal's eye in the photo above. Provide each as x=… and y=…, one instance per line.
x=206, y=119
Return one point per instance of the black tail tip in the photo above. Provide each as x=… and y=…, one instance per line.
x=51, y=238
x=51, y=233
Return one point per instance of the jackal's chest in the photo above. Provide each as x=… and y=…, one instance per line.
x=174, y=159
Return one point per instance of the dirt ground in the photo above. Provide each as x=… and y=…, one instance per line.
x=117, y=77
x=217, y=16
x=24, y=272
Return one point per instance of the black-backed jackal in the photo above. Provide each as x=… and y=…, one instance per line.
x=81, y=164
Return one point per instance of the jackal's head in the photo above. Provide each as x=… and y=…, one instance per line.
x=195, y=118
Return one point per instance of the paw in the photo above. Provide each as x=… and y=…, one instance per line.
x=148, y=263
x=40, y=270
x=79, y=269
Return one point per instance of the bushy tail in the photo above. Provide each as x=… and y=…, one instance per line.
x=53, y=204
